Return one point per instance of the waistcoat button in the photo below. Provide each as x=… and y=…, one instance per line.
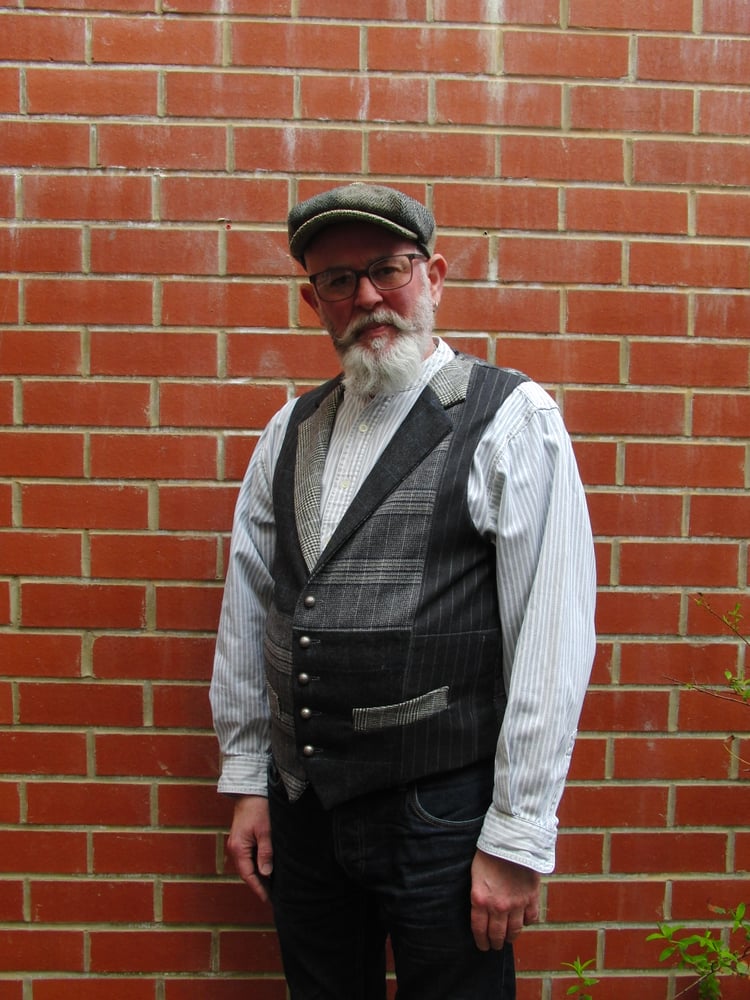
x=309, y=601
x=305, y=641
x=305, y=713
x=303, y=678
x=308, y=751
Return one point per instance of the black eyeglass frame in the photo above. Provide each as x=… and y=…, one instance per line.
x=366, y=273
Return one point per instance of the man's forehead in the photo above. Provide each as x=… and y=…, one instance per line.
x=350, y=244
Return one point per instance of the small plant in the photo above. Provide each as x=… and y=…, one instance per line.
x=705, y=955
x=584, y=980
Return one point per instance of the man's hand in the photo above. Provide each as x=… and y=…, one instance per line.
x=504, y=897
x=250, y=842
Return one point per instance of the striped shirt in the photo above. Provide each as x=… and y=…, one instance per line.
x=525, y=495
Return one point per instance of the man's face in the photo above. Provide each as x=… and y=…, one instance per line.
x=373, y=320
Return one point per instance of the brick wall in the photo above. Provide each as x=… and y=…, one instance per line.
x=588, y=164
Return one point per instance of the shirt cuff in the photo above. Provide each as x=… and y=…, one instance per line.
x=517, y=840
x=244, y=774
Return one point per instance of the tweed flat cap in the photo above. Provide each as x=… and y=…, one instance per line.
x=374, y=203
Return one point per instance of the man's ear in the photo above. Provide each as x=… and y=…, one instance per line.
x=308, y=294
x=437, y=268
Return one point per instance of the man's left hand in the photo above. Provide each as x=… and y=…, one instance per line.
x=504, y=898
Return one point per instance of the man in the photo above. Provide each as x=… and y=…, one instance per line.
x=406, y=635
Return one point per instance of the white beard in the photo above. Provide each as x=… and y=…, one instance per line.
x=383, y=365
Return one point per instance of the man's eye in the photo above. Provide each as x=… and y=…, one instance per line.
x=384, y=272
x=336, y=280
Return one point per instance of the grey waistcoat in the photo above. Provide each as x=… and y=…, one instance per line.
x=383, y=653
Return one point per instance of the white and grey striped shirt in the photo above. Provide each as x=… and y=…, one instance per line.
x=525, y=495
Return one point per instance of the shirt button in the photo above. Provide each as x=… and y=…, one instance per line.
x=305, y=641
x=363, y=428
x=305, y=713
x=308, y=751
x=303, y=679
x=309, y=601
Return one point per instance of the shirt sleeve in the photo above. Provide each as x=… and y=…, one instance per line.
x=238, y=692
x=527, y=496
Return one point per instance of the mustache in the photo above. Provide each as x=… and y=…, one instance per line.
x=381, y=317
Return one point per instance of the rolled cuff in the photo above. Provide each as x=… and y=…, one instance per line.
x=244, y=774
x=517, y=840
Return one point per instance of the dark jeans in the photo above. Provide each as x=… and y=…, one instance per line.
x=390, y=863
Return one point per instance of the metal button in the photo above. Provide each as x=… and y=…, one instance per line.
x=303, y=678
x=305, y=713
x=309, y=601
x=305, y=641
x=308, y=751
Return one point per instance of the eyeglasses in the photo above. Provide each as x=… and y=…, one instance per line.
x=386, y=273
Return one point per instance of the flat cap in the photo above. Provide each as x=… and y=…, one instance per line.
x=360, y=202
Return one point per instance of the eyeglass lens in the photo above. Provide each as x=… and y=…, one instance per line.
x=386, y=273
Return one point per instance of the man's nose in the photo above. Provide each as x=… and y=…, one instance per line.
x=366, y=295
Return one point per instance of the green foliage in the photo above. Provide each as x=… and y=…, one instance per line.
x=707, y=956
x=584, y=980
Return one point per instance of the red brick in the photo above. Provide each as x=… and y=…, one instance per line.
x=631, y=109
x=692, y=898
x=223, y=199
x=558, y=260
x=550, y=157
x=83, y=505
x=561, y=360
x=32, y=37
x=166, y=147
x=89, y=803
x=723, y=214
x=158, y=657
x=10, y=813
x=625, y=312
x=507, y=309
x=258, y=948
x=667, y=852
x=624, y=411
x=196, y=508
x=26, y=850
x=181, y=707
x=430, y=50
x=513, y=11
x=351, y=98
x=625, y=711
x=719, y=515
x=250, y=252
x=596, y=461
x=613, y=805
x=91, y=901
x=295, y=45
x=11, y=906
x=193, y=902
x=157, y=754
x=684, y=465
x=622, y=210
x=665, y=564
x=711, y=164
x=154, y=251
x=36, y=553
x=211, y=405
x=226, y=989
x=723, y=17
x=92, y=988
x=669, y=758
x=449, y=154
x=38, y=453
x=41, y=950
x=82, y=605
x=9, y=301
x=43, y=352
x=723, y=112
x=89, y=91
x=624, y=513
x=40, y=249
x=694, y=60
x=153, y=456
x=288, y=149
x=637, y=613
x=688, y=364
x=188, y=608
x=91, y=404
x=690, y=264
x=153, y=556
x=722, y=314
x=487, y=207
x=162, y=41
x=80, y=704
x=724, y=415
x=57, y=196
x=498, y=102
x=196, y=806
x=224, y=303
x=173, y=354
x=565, y=54
x=237, y=451
x=86, y=300
x=545, y=948
x=641, y=14
x=28, y=654
x=10, y=90
x=154, y=853
x=150, y=951
x=44, y=144
x=714, y=711
x=229, y=95
x=280, y=355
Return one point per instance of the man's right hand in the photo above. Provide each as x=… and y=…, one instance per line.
x=250, y=842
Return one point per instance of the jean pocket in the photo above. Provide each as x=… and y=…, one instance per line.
x=459, y=798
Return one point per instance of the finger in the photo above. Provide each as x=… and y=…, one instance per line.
x=497, y=931
x=479, y=928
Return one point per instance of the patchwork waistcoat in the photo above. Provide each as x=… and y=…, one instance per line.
x=383, y=652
